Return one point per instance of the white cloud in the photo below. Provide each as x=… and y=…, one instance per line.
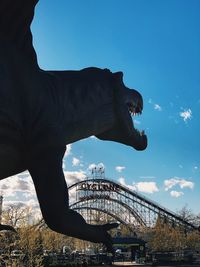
x=68, y=150
x=26, y=195
x=170, y=183
x=63, y=164
x=176, y=193
x=144, y=187
x=186, y=114
x=97, y=166
x=182, y=183
x=21, y=183
x=119, y=168
x=121, y=180
x=24, y=174
x=94, y=137
x=75, y=162
x=72, y=195
x=157, y=107
x=92, y=166
x=96, y=170
x=74, y=177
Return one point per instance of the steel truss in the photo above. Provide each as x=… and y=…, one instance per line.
x=100, y=199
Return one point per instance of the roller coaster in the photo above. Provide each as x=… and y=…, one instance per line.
x=100, y=199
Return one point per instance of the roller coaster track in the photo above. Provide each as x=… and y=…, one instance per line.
x=124, y=205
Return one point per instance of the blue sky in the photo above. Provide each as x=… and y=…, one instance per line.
x=156, y=45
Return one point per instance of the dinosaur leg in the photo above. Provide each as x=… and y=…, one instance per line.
x=11, y=161
x=47, y=174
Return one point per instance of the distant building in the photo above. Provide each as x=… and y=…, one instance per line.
x=130, y=248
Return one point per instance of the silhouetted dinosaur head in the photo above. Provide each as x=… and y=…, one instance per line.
x=98, y=103
x=128, y=103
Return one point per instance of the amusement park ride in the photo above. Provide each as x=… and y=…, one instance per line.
x=99, y=200
x=107, y=200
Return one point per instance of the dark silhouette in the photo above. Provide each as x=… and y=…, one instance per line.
x=4, y=227
x=43, y=111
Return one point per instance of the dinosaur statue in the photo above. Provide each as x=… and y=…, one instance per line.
x=43, y=111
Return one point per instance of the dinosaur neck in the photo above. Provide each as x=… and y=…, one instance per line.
x=92, y=123
x=88, y=102
x=15, y=20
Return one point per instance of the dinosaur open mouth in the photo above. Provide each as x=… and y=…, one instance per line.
x=127, y=104
x=133, y=107
x=135, y=110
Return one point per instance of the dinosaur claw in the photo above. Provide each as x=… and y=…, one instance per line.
x=4, y=227
x=110, y=226
x=108, y=243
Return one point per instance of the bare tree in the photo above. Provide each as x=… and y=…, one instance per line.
x=16, y=214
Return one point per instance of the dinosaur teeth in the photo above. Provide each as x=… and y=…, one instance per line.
x=133, y=112
x=141, y=133
x=134, y=109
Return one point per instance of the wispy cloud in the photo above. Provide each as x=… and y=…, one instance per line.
x=182, y=183
x=75, y=162
x=157, y=107
x=137, y=122
x=186, y=114
x=147, y=177
x=120, y=168
x=176, y=193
